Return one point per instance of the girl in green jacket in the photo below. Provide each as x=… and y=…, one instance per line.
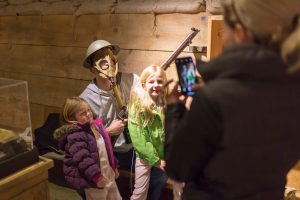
x=145, y=124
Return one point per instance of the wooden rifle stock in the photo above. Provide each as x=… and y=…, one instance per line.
x=185, y=43
x=122, y=114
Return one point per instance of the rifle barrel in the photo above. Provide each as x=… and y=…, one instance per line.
x=179, y=49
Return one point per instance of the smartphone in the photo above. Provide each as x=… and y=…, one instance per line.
x=187, y=74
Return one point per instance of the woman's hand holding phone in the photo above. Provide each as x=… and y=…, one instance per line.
x=175, y=96
x=186, y=71
x=190, y=80
x=199, y=82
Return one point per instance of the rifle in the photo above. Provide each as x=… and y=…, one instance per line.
x=179, y=49
x=122, y=114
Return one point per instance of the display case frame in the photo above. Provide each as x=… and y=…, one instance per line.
x=16, y=137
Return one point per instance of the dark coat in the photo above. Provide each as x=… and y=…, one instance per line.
x=242, y=133
x=81, y=163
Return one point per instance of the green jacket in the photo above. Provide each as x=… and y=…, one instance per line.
x=148, y=141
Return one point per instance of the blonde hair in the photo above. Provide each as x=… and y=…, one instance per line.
x=272, y=23
x=142, y=101
x=70, y=108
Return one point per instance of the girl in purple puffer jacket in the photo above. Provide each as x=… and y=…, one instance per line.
x=89, y=163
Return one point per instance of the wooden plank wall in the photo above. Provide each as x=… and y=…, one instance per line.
x=47, y=51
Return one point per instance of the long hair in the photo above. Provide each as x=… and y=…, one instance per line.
x=142, y=101
x=70, y=108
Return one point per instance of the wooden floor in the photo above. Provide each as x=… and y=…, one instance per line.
x=62, y=193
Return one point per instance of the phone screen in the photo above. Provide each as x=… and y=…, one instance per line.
x=187, y=74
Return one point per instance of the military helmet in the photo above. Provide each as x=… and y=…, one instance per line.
x=95, y=46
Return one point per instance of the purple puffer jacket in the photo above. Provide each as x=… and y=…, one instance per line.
x=81, y=163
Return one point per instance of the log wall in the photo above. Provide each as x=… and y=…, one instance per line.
x=47, y=49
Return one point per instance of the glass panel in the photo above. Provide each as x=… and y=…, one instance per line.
x=15, y=122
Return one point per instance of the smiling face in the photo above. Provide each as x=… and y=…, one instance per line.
x=84, y=113
x=154, y=86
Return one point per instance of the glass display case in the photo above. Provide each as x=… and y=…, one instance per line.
x=16, y=141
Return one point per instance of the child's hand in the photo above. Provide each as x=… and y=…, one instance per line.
x=162, y=165
x=102, y=182
x=116, y=173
